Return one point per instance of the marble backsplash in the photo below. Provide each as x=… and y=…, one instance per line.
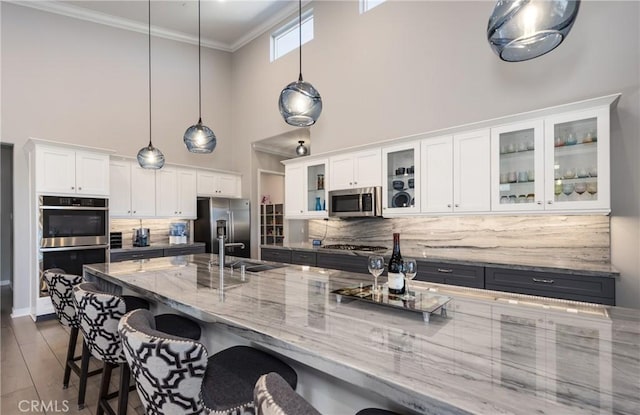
x=582, y=238
x=158, y=229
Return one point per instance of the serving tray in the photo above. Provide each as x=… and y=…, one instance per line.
x=422, y=302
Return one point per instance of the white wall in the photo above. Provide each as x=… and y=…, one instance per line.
x=73, y=81
x=413, y=66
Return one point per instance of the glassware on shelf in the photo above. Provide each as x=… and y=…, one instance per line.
x=568, y=188
x=592, y=188
x=580, y=188
x=318, y=203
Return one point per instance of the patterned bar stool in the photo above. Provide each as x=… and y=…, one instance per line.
x=99, y=314
x=60, y=287
x=176, y=376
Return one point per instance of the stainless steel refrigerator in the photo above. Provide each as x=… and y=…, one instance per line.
x=237, y=215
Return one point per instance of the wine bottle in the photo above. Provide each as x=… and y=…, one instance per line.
x=394, y=269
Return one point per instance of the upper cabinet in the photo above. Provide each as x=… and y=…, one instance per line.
x=61, y=170
x=305, y=193
x=358, y=169
x=133, y=189
x=176, y=192
x=577, y=161
x=401, y=179
x=217, y=184
x=437, y=175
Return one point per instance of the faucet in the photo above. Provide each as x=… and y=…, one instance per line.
x=222, y=246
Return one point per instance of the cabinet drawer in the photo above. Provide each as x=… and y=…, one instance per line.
x=303, y=258
x=342, y=262
x=185, y=250
x=276, y=255
x=567, y=286
x=130, y=255
x=463, y=275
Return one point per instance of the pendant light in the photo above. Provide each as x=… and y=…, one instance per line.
x=150, y=157
x=300, y=103
x=301, y=150
x=520, y=30
x=199, y=138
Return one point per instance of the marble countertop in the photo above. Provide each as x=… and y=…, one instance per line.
x=156, y=246
x=480, y=257
x=493, y=352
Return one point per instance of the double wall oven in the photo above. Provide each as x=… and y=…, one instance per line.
x=73, y=231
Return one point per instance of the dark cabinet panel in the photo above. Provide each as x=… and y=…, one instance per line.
x=443, y=273
x=185, y=250
x=303, y=258
x=342, y=262
x=137, y=254
x=567, y=286
x=276, y=255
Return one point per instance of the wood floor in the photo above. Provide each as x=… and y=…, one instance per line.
x=32, y=367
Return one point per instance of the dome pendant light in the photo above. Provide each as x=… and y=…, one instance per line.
x=301, y=150
x=150, y=157
x=300, y=103
x=199, y=138
x=520, y=30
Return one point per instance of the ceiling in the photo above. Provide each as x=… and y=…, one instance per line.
x=226, y=24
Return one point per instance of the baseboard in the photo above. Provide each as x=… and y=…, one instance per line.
x=20, y=312
x=5, y=282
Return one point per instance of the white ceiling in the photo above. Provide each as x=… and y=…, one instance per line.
x=226, y=24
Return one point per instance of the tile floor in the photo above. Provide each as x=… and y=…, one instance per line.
x=32, y=367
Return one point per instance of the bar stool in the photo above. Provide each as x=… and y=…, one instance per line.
x=99, y=314
x=60, y=285
x=175, y=375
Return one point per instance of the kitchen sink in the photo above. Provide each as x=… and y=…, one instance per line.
x=253, y=266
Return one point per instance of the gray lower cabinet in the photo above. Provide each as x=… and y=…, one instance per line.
x=276, y=255
x=137, y=254
x=185, y=250
x=463, y=275
x=587, y=288
x=303, y=258
x=342, y=262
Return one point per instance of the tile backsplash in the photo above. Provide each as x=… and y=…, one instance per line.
x=158, y=229
x=585, y=237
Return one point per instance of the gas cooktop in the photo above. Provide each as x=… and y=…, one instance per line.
x=347, y=247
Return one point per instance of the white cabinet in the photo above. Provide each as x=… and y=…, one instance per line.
x=401, y=179
x=304, y=192
x=437, y=174
x=61, y=170
x=456, y=173
x=359, y=169
x=176, y=192
x=577, y=161
x=210, y=183
x=133, y=190
x=517, y=167
x=472, y=172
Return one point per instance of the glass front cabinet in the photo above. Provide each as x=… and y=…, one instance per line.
x=556, y=163
x=305, y=190
x=400, y=179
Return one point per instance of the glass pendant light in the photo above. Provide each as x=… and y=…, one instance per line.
x=150, y=157
x=300, y=103
x=301, y=150
x=520, y=30
x=199, y=138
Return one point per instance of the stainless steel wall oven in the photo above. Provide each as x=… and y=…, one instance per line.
x=73, y=231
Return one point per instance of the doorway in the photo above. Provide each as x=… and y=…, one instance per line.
x=6, y=225
x=270, y=195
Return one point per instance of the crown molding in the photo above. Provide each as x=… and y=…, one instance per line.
x=118, y=22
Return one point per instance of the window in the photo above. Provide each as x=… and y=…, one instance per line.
x=366, y=5
x=286, y=39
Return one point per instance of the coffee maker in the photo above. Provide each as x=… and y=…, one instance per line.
x=141, y=237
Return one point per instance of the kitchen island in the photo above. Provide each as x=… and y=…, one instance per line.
x=492, y=353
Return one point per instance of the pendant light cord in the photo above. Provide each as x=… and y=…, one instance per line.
x=199, y=70
x=300, y=36
x=150, y=73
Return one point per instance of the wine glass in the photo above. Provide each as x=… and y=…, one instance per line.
x=376, y=267
x=409, y=269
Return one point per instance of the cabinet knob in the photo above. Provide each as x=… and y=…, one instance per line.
x=72, y=187
x=457, y=205
x=550, y=202
x=350, y=184
x=539, y=202
x=79, y=188
x=128, y=211
x=355, y=182
x=449, y=205
x=175, y=212
x=134, y=211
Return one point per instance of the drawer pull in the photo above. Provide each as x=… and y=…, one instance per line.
x=445, y=271
x=542, y=280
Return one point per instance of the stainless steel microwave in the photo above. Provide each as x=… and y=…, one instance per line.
x=353, y=203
